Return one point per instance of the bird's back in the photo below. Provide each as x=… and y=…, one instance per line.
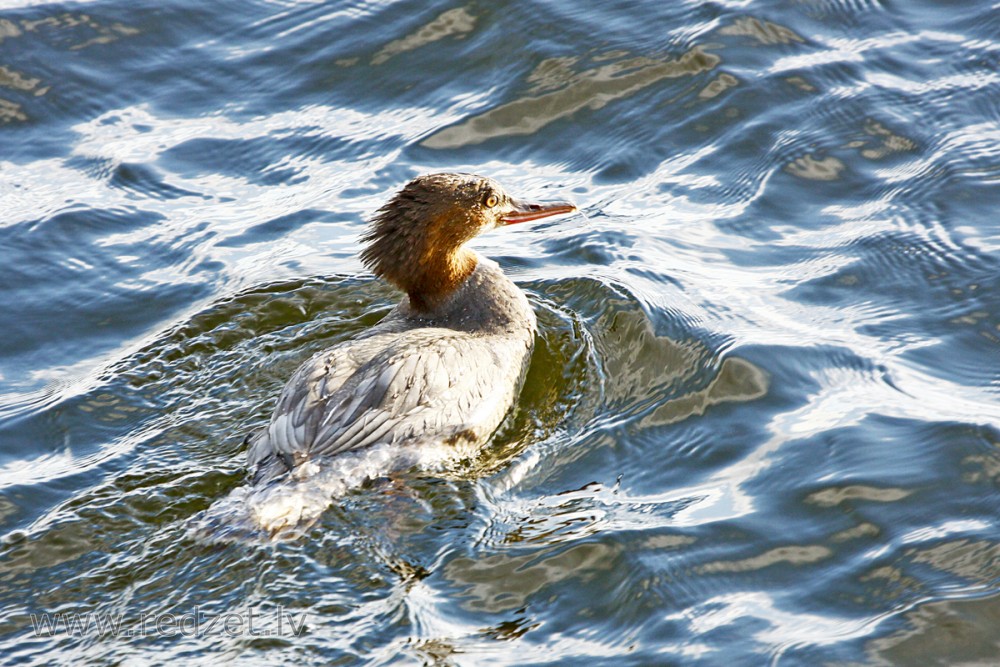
x=445, y=376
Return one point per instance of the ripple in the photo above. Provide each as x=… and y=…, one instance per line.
x=760, y=423
x=452, y=23
x=590, y=89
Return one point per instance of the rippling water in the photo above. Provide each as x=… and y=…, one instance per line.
x=761, y=425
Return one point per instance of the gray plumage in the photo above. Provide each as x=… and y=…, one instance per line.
x=447, y=373
x=444, y=366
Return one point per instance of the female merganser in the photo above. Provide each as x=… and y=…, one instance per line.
x=444, y=366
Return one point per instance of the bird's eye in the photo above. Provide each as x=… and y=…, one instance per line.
x=492, y=201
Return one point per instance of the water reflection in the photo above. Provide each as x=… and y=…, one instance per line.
x=590, y=88
x=717, y=86
x=888, y=141
x=950, y=632
x=12, y=79
x=834, y=496
x=764, y=32
x=11, y=111
x=452, y=23
x=816, y=169
x=737, y=380
x=80, y=30
x=502, y=582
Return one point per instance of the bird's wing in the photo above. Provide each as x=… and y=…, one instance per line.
x=431, y=382
x=295, y=416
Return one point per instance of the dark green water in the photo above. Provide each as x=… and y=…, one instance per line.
x=762, y=421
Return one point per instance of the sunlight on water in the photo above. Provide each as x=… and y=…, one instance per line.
x=761, y=423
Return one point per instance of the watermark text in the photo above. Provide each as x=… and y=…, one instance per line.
x=196, y=623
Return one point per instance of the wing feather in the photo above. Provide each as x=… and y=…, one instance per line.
x=424, y=383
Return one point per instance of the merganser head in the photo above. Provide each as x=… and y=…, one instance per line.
x=415, y=241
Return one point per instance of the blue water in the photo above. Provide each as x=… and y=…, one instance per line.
x=762, y=421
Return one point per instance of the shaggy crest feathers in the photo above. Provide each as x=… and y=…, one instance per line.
x=415, y=239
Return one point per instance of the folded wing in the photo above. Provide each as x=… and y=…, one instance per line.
x=430, y=383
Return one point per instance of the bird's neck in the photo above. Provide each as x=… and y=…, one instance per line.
x=436, y=276
x=424, y=258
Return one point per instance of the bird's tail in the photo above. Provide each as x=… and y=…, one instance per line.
x=280, y=510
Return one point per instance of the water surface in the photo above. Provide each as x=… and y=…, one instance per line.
x=761, y=425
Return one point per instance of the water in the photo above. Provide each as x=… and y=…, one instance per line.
x=761, y=425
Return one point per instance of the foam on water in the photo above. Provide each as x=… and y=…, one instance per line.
x=284, y=508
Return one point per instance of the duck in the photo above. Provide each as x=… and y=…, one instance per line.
x=443, y=368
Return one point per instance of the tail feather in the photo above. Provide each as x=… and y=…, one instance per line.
x=280, y=504
x=277, y=511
